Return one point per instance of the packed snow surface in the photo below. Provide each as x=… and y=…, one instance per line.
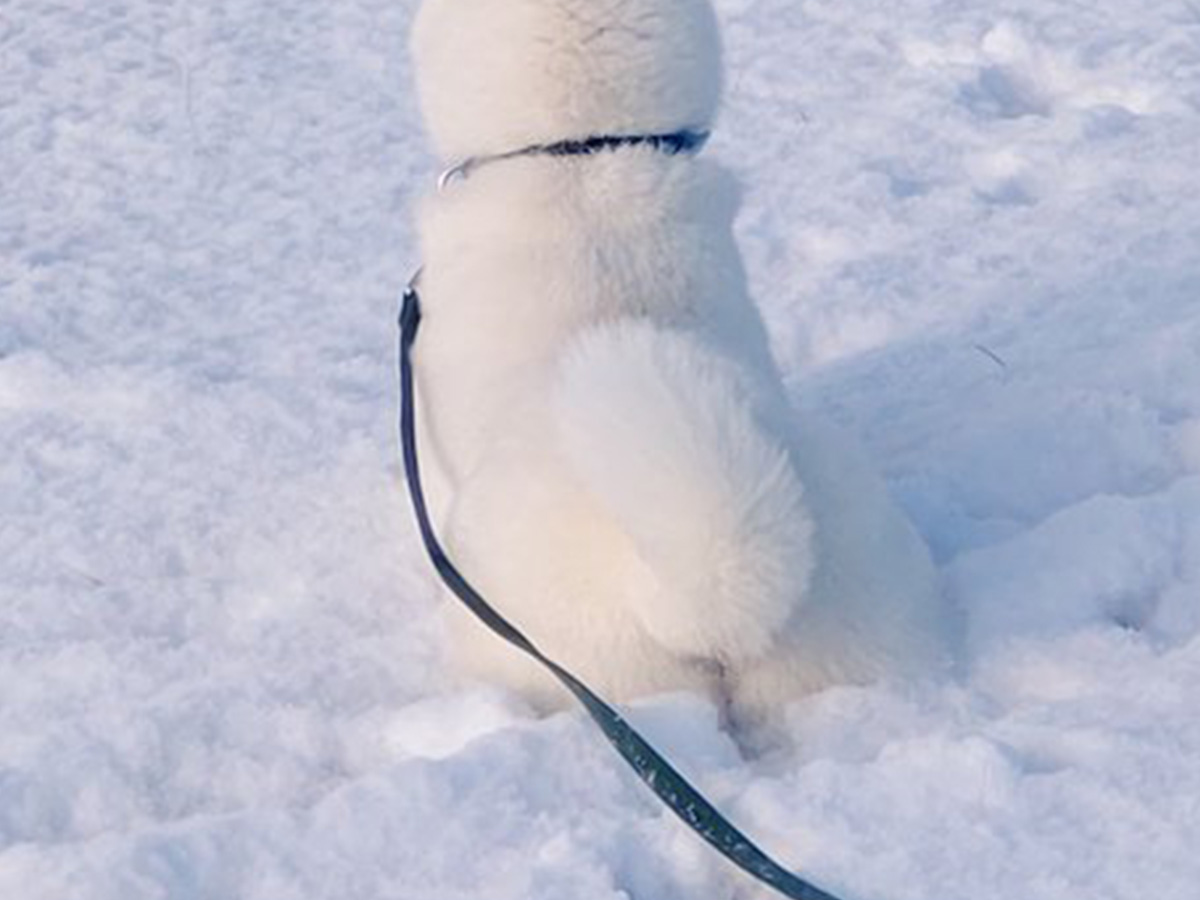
x=974, y=229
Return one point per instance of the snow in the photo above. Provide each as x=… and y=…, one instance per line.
x=975, y=235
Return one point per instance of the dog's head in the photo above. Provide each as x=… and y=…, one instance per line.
x=497, y=75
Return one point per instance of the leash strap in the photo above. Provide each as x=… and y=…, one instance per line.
x=658, y=774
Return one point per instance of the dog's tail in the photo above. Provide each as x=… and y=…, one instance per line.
x=664, y=433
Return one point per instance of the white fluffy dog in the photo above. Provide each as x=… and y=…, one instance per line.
x=613, y=462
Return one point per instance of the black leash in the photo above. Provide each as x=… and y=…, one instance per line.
x=658, y=774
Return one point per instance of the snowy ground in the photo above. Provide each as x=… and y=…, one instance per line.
x=975, y=231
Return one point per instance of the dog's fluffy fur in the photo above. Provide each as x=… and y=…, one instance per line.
x=612, y=458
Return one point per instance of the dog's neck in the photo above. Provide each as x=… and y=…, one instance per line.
x=672, y=144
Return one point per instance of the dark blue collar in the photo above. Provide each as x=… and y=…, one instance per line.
x=672, y=144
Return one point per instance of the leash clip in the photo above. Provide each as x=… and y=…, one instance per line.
x=410, y=309
x=456, y=171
